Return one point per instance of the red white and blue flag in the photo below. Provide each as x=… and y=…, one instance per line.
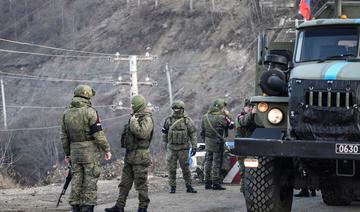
x=305, y=9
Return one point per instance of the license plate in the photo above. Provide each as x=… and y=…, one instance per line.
x=347, y=149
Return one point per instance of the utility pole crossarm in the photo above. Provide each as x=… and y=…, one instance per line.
x=122, y=83
x=134, y=83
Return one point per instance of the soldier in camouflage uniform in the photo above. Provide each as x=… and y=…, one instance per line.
x=214, y=128
x=136, y=138
x=83, y=140
x=245, y=126
x=179, y=132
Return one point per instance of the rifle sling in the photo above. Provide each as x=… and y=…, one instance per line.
x=177, y=121
x=213, y=129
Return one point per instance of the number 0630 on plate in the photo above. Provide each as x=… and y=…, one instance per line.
x=347, y=148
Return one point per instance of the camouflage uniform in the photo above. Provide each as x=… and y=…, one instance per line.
x=83, y=140
x=136, y=138
x=214, y=135
x=178, y=132
x=245, y=126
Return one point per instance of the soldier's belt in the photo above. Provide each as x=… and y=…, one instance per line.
x=78, y=141
x=131, y=150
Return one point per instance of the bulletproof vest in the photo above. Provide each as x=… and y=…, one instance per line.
x=76, y=124
x=177, y=133
x=130, y=141
x=83, y=149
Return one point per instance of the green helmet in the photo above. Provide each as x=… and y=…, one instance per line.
x=248, y=103
x=138, y=103
x=84, y=91
x=178, y=104
x=219, y=103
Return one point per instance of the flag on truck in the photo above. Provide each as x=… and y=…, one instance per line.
x=305, y=9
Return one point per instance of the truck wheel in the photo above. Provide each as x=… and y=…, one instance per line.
x=334, y=195
x=269, y=188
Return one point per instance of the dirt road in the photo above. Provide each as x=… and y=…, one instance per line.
x=44, y=199
x=222, y=201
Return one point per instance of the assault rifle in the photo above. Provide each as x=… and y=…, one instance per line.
x=67, y=182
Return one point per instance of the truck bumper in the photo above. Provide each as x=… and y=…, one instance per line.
x=291, y=148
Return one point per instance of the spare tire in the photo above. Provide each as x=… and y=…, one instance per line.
x=273, y=82
x=278, y=59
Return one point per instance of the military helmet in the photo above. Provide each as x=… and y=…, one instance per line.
x=178, y=104
x=138, y=103
x=220, y=103
x=248, y=103
x=84, y=91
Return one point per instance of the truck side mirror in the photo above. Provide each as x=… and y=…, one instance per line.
x=290, y=65
x=261, y=48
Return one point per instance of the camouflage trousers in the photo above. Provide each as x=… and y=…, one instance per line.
x=212, y=167
x=172, y=157
x=242, y=173
x=84, y=183
x=138, y=175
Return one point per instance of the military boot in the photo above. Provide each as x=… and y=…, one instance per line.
x=142, y=210
x=242, y=190
x=217, y=186
x=208, y=185
x=190, y=189
x=90, y=208
x=87, y=208
x=75, y=208
x=313, y=193
x=114, y=209
x=172, y=190
x=303, y=193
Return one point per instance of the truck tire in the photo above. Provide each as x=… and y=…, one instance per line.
x=269, y=188
x=334, y=195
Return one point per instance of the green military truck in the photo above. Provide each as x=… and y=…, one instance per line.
x=308, y=114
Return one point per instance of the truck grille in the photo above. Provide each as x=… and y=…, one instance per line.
x=324, y=109
x=328, y=99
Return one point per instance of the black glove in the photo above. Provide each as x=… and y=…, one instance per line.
x=164, y=130
x=193, y=151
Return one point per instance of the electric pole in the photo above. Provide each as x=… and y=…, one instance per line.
x=134, y=90
x=3, y=103
x=134, y=83
x=169, y=82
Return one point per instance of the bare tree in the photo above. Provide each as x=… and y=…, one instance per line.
x=256, y=11
x=6, y=157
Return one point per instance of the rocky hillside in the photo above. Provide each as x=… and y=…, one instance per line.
x=209, y=51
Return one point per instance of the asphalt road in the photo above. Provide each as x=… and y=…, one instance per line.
x=221, y=201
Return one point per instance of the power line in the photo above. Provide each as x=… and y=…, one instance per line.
x=54, y=127
x=52, y=79
x=55, y=48
x=54, y=55
x=30, y=129
x=26, y=16
x=52, y=107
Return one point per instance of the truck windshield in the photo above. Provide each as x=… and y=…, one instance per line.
x=316, y=44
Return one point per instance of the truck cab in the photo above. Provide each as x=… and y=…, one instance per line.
x=308, y=115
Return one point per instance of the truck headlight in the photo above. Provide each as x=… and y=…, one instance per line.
x=262, y=107
x=275, y=116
